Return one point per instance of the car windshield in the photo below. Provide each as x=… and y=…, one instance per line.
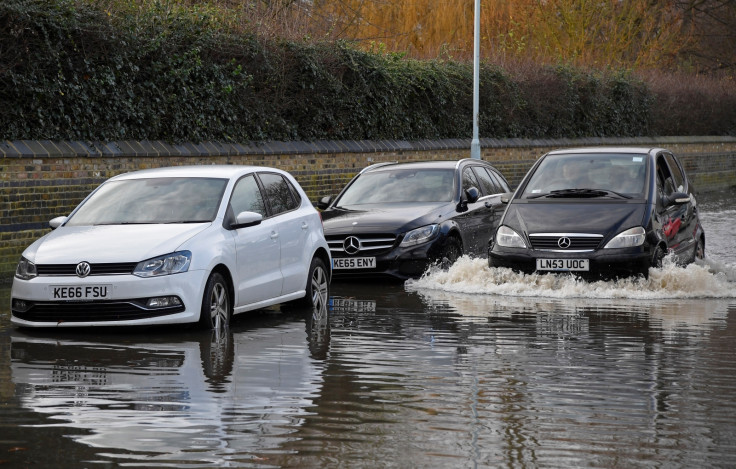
x=588, y=175
x=391, y=186
x=154, y=200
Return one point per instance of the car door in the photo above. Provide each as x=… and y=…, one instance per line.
x=676, y=219
x=685, y=242
x=257, y=248
x=476, y=218
x=294, y=226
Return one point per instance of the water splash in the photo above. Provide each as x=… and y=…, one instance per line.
x=705, y=279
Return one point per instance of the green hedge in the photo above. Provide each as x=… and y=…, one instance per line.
x=69, y=71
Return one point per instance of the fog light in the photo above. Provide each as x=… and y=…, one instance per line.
x=163, y=302
x=21, y=305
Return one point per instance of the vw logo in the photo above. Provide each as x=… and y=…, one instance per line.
x=564, y=242
x=83, y=269
x=351, y=245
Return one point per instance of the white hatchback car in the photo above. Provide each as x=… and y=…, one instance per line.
x=176, y=245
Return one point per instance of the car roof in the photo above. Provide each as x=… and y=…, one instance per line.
x=207, y=171
x=432, y=164
x=607, y=150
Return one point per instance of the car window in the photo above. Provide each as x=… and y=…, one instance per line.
x=399, y=185
x=152, y=200
x=500, y=181
x=247, y=197
x=469, y=180
x=622, y=173
x=677, y=176
x=487, y=184
x=279, y=193
x=665, y=181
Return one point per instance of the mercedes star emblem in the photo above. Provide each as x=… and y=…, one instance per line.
x=564, y=242
x=351, y=245
x=83, y=269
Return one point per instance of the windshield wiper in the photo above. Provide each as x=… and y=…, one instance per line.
x=186, y=221
x=125, y=223
x=579, y=193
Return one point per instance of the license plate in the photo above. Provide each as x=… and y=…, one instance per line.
x=354, y=263
x=346, y=304
x=86, y=292
x=563, y=265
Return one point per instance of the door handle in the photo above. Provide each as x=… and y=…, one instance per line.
x=304, y=225
x=274, y=235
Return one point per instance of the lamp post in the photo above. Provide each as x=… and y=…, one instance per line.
x=475, y=144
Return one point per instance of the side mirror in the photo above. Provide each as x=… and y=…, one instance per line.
x=54, y=223
x=506, y=198
x=472, y=194
x=246, y=219
x=324, y=202
x=676, y=198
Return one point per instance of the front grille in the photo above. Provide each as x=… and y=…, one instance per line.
x=118, y=268
x=102, y=311
x=370, y=244
x=578, y=241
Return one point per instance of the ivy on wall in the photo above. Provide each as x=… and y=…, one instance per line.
x=73, y=72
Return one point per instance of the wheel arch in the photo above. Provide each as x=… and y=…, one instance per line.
x=225, y=272
x=322, y=254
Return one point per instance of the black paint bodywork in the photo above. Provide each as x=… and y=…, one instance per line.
x=470, y=220
x=671, y=225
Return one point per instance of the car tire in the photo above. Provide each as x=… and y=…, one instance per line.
x=216, y=308
x=658, y=257
x=450, y=252
x=318, y=286
x=699, y=250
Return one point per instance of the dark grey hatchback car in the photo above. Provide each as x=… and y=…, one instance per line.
x=600, y=212
x=395, y=219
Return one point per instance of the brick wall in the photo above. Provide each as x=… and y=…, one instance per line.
x=42, y=179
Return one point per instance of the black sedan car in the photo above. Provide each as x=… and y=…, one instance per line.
x=395, y=219
x=603, y=212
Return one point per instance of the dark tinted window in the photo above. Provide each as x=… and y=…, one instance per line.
x=469, y=180
x=247, y=197
x=677, y=176
x=500, y=181
x=279, y=193
x=488, y=185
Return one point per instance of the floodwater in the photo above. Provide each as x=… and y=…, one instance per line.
x=472, y=367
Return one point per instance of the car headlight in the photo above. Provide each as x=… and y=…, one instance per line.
x=628, y=239
x=173, y=263
x=508, y=238
x=26, y=269
x=420, y=235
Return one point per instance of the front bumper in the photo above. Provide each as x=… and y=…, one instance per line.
x=605, y=264
x=400, y=263
x=126, y=305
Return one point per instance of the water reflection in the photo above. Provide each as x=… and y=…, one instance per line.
x=465, y=368
x=175, y=398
